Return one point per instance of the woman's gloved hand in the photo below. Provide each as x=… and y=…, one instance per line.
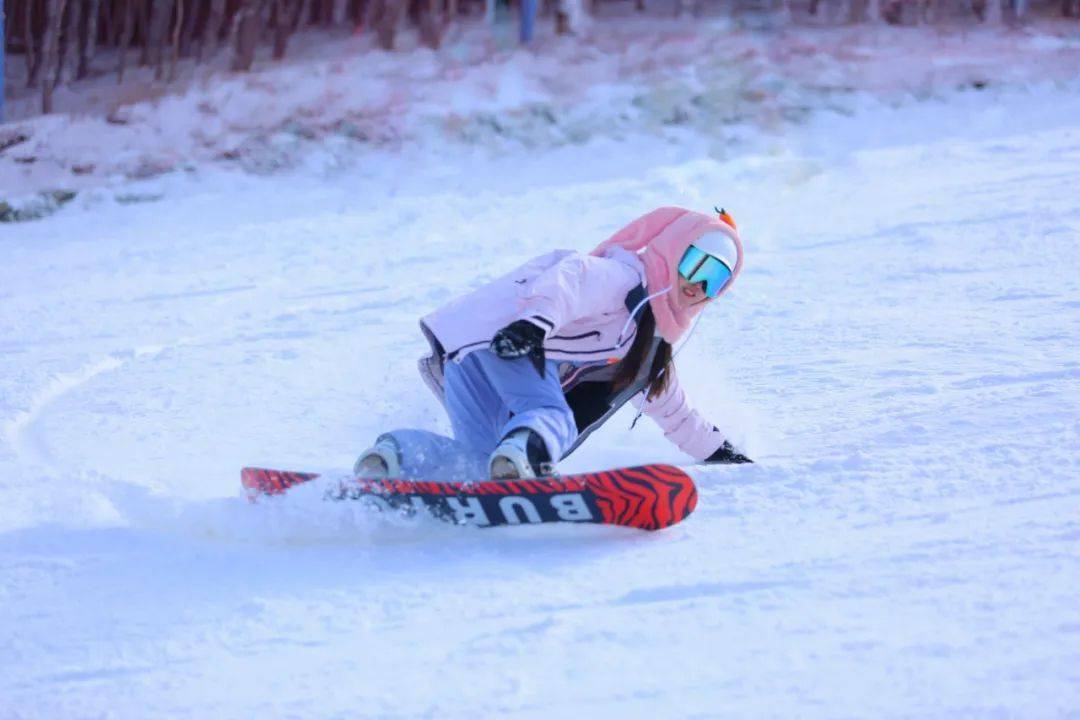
x=521, y=339
x=727, y=455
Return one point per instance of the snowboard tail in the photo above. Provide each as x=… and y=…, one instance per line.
x=648, y=497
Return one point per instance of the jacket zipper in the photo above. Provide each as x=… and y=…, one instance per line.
x=625, y=340
x=628, y=393
x=591, y=333
x=455, y=353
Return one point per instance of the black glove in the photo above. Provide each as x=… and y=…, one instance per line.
x=727, y=455
x=521, y=339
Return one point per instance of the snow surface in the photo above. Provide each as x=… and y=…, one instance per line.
x=900, y=356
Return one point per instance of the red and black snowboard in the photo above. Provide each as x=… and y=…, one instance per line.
x=649, y=497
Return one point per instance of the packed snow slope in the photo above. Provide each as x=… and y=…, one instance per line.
x=900, y=356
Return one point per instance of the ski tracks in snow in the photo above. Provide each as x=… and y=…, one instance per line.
x=18, y=431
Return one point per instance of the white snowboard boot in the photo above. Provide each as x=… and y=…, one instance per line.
x=382, y=460
x=521, y=455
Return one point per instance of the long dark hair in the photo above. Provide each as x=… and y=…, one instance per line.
x=638, y=354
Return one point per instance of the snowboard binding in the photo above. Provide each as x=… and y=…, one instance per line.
x=381, y=460
x=521, y=455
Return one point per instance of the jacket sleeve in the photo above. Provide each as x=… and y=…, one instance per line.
x=681, y=424
x=575, y=287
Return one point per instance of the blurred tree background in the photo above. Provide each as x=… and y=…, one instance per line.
x=68, y=40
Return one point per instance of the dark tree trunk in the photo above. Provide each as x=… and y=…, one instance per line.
x=33, y=55
x=281, y=29
x=174, y=46
x=432, y=24
x=50, y=51
x=70, y=25
x=247, y=35
x=212, y=32
x=161, y=12
x=383, y=18
x=562, y=18
x=191, y=17
x=125, y=38
x=303, y=16
x=288, y=19
x=144, y=20
x=108, y=21
x=88, y=30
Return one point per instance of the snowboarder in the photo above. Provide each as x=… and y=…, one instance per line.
x=528, y=365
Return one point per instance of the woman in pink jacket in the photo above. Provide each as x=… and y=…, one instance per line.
x=529, y=364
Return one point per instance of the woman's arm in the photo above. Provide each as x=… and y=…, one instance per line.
x=685, y=426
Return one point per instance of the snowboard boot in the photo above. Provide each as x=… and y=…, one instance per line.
x=521, y=455
x=382, y=460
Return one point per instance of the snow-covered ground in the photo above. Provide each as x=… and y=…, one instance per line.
x=900, y=356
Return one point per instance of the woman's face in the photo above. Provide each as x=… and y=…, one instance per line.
x=690, y=294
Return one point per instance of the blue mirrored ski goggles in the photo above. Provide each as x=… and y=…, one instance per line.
x=698, y=266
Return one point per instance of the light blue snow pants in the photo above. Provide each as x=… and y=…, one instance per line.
x=487, y=397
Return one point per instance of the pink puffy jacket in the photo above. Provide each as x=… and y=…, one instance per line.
x=580, y=302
